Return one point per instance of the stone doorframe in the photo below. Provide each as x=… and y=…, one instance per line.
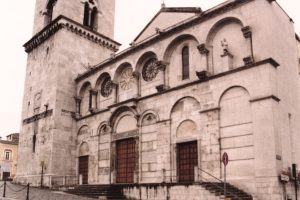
x=120, y=136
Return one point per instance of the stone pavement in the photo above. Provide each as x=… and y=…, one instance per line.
x=13, y=193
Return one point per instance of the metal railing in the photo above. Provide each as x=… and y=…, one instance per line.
x=7, y=186
x=170, y=176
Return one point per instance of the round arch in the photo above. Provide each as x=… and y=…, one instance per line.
x=101, y=78
x=83, y=149
x=230, y=88
x=179, y=100
x=170, y=48
x=84, y=86
x=119, y=113
x=119, y=71
x=143, y=58
x=220, y=24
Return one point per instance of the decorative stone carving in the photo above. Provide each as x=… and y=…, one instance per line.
x=150, y=70
x=224, y=44
x=105, y=129
x=149, y=119
x=127, y=79
x=227, y=57
x=202, y=49
x=202, y=75
x=161, y=88
x=161, y=65
x=106, y=87
x=247, y=31
x=37, y=100
x=248, y=60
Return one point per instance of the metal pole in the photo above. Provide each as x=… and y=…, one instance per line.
x=224, y=181
x=27, y=195
x=42, y=175
x=4, y=189
x=296, y=194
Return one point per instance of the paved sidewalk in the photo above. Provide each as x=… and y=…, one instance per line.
x=35, y=193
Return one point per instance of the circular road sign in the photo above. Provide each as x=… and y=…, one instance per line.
x=225, y=158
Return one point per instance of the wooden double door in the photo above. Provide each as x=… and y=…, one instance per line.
x=84, y=168
x=187, y=160
x=126, y=160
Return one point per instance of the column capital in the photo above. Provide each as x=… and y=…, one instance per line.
x=136, y=75
x=247, y=31
x=93, y=91
x=202, y=49
x=161, y=65
x=77, y=98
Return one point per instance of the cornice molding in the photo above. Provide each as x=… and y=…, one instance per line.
x=63, y=22
x=210, y=110
x=273, y=97
x=37, y=117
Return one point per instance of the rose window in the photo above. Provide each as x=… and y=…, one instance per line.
x=106, y=87
x=150, y=70
x=126, y=79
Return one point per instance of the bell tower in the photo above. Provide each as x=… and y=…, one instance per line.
x=69, y=36
x=97, y=15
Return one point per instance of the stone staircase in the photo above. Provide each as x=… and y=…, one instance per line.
x=206, y=190
x=233, y=192
x=109, y=192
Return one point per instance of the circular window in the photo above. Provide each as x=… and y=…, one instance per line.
x=126, y=79
x=106, y=87
x=150, y=70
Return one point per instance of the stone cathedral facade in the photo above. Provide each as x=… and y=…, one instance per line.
x=192, y=85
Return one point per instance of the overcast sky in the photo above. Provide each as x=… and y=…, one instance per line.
x=16, y=29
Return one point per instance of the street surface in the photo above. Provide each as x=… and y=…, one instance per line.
x=13, y=193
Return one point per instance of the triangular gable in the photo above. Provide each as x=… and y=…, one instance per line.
x=165, y=18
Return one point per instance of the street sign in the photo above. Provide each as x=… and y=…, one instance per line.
x=225, y=158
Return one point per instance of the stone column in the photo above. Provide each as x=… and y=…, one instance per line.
x=78, y=105
x=93, y=100
x=248, y=36
x=162, y=65
x=116, y=86
x=137, y=76
x=227, y=61
x=204, y=56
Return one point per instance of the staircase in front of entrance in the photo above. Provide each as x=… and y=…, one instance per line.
x=191, y=191
x=109, y=192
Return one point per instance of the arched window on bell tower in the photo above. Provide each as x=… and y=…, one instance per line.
x=86, y=14
x=90, y=14
x=49, y=11
x=94, y=19
x=185, y=63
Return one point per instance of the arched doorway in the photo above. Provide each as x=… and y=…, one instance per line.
x=83, y=163
x=126, y=150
